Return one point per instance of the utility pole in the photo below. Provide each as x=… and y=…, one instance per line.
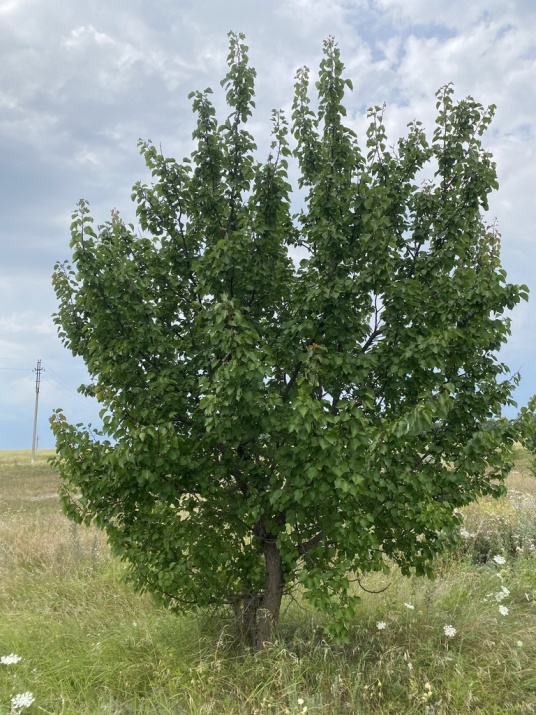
x=38, y=370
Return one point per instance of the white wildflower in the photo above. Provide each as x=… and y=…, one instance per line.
x=22, y=700
x=10, y=659
x=500, y=560
x=502, y=594
x=450, y=631
x=410, y=606
x=519, y=644
x=300, y=701
x=410, y=666
x=381, y=625
x=503, y=610
x=464, y=533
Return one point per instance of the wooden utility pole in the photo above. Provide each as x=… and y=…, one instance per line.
x=38, y=370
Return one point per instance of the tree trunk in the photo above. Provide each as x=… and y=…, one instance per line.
x=257, y=616
x=245, y=609
x=270, y=605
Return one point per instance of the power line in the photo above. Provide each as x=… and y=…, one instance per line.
x=58, y=379
x=64, y=392
x=67, y=390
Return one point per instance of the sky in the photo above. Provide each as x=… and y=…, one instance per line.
x=82, y=81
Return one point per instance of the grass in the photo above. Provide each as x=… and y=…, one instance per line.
x=90, y=645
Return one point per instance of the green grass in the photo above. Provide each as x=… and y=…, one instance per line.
x=90, y=645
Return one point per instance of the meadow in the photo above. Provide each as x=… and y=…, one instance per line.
x=462, y=643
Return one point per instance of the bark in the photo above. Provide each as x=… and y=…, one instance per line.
x=245, y=608
x=257, y=616
x=270, y=605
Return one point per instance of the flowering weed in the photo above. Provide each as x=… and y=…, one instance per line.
x=22, y=701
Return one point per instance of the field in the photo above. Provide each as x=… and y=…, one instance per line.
x=88, y=644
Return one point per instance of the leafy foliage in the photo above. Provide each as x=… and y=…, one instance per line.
x=268, y=424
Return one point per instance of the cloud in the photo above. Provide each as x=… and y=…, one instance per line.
x=27, y=322
x=81, y=82
x=9, y=6
x=457, y=14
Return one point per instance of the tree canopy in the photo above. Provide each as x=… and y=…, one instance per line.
x=270, y=424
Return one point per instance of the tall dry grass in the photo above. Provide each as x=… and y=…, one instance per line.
x=90, y=645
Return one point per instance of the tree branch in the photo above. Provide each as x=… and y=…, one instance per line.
x=292, y=380
x=311, y=544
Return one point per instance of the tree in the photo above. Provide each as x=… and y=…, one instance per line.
x=266, y=424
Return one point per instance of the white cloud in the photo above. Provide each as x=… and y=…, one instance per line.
x=9, y=6
x=27, y=322
x=80, y=82
x=80, y=36
x=87, y=157
x=311, y=15
x=458, y=14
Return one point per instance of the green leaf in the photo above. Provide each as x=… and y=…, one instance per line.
x=307, y=419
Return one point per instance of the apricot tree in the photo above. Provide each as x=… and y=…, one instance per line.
x=269, y=423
